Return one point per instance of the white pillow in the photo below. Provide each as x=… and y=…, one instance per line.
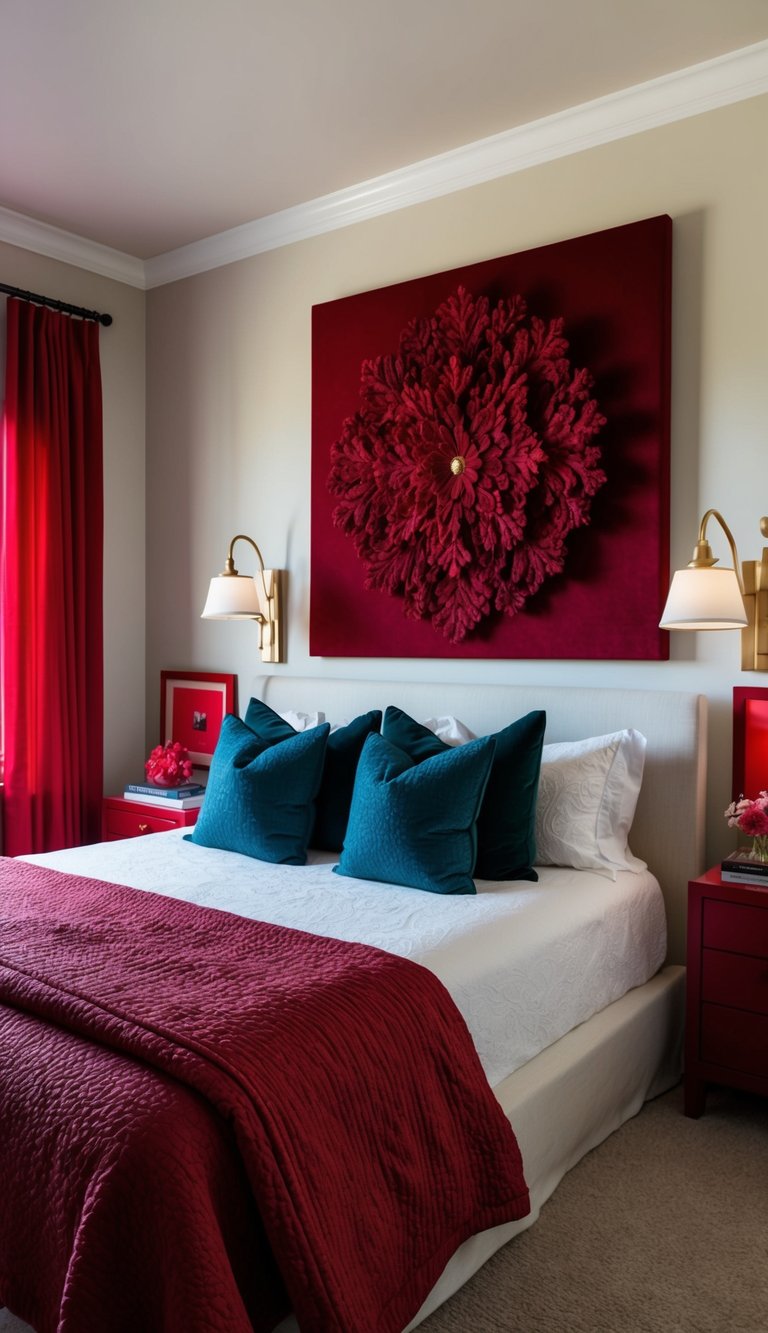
x=449, y=730
x=302, y=721
x=588, y=792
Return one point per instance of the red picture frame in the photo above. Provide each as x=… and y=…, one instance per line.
x=193, y=705
x=750, y=740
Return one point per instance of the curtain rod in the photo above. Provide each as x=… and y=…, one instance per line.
x=65, y=309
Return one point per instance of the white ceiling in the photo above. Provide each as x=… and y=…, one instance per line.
x=145, y=125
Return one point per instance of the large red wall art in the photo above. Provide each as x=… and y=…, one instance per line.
x=490, y=457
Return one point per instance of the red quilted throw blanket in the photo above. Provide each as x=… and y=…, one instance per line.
x=206, y=1121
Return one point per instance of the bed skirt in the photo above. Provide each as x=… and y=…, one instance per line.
x=571, y=1097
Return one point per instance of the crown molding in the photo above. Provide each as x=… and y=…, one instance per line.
x=43, y=239
x=733, y=77
x=688, y=92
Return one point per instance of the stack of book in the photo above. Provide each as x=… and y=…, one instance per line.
x=187, y=796
x=741, y=868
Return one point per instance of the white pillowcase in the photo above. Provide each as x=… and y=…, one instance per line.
x=588, y=792
x=449, y=730
x=302, y=721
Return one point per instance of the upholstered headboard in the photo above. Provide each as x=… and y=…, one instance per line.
x=668, y=831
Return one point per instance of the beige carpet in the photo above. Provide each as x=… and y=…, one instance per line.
x=662, y=1229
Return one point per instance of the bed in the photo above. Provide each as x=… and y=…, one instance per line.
x=588, y=1061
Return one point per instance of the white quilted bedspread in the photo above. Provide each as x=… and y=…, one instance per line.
x=523, y=962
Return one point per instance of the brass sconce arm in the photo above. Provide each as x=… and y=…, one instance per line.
x=229, y=567
x=702, y=551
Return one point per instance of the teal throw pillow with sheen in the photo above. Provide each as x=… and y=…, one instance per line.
x=506, y=825
x=260, y=798
x=415, y=823
x=267, y=724
x=341, y=756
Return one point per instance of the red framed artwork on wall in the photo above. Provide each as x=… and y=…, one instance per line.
x=193, y=705
x=750, y=740
x=429, y=541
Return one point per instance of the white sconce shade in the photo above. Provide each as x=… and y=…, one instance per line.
x=704, y=599
x=232, y=597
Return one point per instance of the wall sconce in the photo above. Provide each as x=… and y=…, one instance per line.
x=702, y=597
x=234, y=596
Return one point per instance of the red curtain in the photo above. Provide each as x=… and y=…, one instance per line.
x=51, y=582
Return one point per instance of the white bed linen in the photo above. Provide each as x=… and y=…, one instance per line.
x=523, y=962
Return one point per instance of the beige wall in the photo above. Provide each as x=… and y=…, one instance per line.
x=122, y=348
x=228, y=357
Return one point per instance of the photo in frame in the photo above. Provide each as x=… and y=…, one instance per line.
x=427, y=541
x=193, y=705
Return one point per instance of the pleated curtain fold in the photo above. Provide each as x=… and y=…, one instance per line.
x=51, y=599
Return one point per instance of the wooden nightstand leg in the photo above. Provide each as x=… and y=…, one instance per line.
x=694, y=1096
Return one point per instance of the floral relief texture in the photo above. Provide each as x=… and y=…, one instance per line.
x=470, y=459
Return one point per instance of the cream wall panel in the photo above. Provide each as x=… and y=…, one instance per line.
x=229, y=394
x=122, y=348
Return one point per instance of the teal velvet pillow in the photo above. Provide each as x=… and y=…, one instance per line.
x=260, y=796
x=341, y=756
x=268, y=725
x=414, y=823
x=506, y=825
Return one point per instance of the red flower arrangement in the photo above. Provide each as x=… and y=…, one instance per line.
x=750, y=816
x=468, y=463
x=169, y=765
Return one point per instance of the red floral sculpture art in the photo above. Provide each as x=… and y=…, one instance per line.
x=168, y=765
x=468, y=462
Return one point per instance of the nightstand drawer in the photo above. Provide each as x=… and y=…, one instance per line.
x=134, y=819
x=126, y=824
x=735, y=979
x=734, y=1039
x=734, y=926
x=726, y=1038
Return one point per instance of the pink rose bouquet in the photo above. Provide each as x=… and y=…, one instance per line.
x=168, y=765
x=750, y=816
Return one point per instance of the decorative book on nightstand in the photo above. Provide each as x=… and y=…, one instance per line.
x=132, y=819
x=741, y=868
x=726, y=988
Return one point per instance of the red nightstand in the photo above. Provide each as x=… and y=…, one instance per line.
x=131, y=819
x=726, y=988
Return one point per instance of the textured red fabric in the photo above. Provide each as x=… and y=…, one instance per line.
x=469, y=462
x=51, y=590
x=613, y=291
x=327, y=1093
